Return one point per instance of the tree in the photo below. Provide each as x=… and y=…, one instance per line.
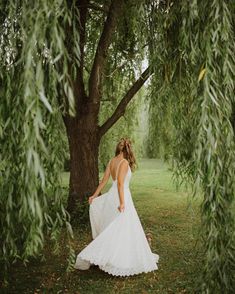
x=84, y=131
x=65, y=57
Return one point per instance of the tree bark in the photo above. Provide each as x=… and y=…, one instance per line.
x=84, y=143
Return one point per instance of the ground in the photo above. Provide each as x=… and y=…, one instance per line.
x=171, y=221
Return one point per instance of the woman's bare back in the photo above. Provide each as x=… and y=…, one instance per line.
x=115, y=163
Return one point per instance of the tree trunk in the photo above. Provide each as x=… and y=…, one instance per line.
x=84, y=174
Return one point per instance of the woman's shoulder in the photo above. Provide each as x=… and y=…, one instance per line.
x=124, y=162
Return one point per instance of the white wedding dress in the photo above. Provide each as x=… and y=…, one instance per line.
x=120, y=247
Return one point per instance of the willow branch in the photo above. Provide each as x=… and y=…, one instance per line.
x=121, y=108
x=115, y=10
x=83, y=9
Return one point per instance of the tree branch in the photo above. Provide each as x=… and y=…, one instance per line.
x=115, y=10
x=121, y=108
x=83, y=8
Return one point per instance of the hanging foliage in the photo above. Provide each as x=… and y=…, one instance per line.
x=212, y=49
x=33, y=61
x=197, y=69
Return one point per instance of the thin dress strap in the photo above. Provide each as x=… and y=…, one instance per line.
x=109, y=163
x=118, y=167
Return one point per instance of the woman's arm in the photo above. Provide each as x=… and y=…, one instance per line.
x=102, y=183
x=120, y=183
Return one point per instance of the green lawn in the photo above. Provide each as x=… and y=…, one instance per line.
x=168, y=215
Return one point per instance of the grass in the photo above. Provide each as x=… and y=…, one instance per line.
x=167, y=215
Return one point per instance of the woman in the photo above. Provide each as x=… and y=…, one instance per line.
x=120, y=247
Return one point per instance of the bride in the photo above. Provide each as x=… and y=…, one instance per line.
x=119, y=245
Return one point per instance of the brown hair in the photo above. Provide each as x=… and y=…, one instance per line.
x=124, y=145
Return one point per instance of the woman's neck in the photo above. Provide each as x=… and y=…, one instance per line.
x=120, y=155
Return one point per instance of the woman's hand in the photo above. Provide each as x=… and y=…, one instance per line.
x=90, y=199
x=121, y=207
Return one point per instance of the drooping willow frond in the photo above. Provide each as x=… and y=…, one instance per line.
x=34, y=60
x=212, y=47
x=195, y=101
